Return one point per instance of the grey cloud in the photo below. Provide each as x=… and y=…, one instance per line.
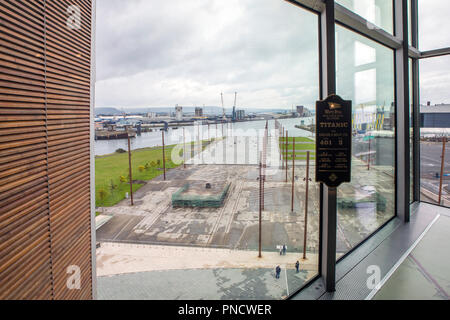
x=153, y=53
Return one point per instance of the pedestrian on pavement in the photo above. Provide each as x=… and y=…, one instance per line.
x=297, y=266
x=277, y=272
x=284, y=250
x=281, y=250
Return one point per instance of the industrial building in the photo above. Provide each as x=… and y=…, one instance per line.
x=437, y=116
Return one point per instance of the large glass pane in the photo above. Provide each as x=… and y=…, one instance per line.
x=194, y=234
x=365, y=75
x=378, y=12
x=411, y=131
x=433, y=16
x=435, y=130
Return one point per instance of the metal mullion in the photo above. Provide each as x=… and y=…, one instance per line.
x=416, y=127
x=360, y=25
x=414, y=23
x=328, y=237
x=402, y=112
x=435, y=53
x=315, y=6
x=416, y=99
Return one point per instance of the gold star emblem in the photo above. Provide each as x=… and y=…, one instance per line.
x=333, y=178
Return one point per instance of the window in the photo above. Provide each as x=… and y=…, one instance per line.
x=198, y=228
x=433, y=16
x=435, y=128
x=365, y=75
x=378, y=12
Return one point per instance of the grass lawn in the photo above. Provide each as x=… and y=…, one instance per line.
x=302, y=145
x=112, y=172
x=297, y=139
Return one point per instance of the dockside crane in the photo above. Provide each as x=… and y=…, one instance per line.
x=223, y=108
x=234, y=107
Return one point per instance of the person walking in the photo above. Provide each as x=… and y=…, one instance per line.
x=284, y=250
x=277, y=272
x=297, y=266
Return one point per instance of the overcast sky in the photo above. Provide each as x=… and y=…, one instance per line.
x=154, y=53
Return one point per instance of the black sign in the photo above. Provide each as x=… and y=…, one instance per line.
x=333, y=141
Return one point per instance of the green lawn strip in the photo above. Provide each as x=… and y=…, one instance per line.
x=303, y=146
x=301, y=158
x=109, y=188
x=298, y=153
x=297, y=139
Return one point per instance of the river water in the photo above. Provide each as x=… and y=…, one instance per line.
x=175, y=136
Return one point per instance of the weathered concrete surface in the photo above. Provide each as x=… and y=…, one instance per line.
x=153, y=220
x=209, y=284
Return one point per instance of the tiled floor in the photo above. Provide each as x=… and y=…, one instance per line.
x=425, y=273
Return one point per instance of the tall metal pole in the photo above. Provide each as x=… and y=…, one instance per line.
x=184, y=147
x=287, y=148
x=444, y=140
x=130, y=170
x=369, y=156
x=264, y=167
x=282, y=148
x=305, y=237
x=293, y=175
x=260, y=208
x=209, y=132
x=164, y=154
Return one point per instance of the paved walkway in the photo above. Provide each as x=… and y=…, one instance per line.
x=210, y=284
x=118, y=258
x=129, y=271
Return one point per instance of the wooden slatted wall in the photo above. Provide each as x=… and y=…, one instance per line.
x=45, y=221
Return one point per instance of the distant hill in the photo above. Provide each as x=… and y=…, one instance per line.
x=107, y=111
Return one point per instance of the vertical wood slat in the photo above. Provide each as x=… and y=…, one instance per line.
x=44, y=146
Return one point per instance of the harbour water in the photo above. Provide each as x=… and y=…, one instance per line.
x=175, y=136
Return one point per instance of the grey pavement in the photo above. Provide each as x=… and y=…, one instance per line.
x=216, y=284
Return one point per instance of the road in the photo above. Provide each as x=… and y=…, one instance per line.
x=430, y=165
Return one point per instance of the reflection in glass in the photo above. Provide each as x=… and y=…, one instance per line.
x=435, y=127
x=378, y=12
x=368, y=202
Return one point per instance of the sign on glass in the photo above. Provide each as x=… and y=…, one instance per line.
x=333, y=141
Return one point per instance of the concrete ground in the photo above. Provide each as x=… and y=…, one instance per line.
x=425, y=274
x=201, y=284
x=130, y=271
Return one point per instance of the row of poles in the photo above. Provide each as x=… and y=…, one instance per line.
x=262, y=180
x=285, y=166
x=164, y=162
x=164, y=154
x=262, y=174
